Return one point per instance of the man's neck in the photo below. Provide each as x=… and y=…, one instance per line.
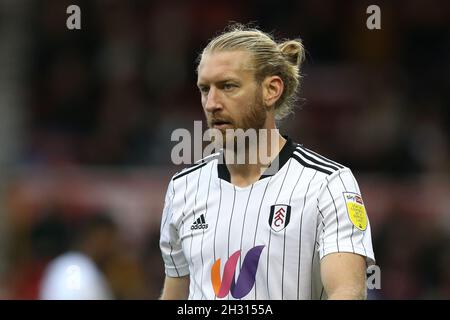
x=266, y=150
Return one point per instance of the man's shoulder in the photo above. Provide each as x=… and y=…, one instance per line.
x=310, y=159
x=197, y=165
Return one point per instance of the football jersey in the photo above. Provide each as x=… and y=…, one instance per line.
x=263, y=241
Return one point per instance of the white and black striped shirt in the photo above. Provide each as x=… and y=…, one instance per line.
x=264, y=241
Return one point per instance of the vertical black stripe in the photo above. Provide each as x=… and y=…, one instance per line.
x=182, y=221
x=184, y=206
x=337, y=219
x=300, y=237
x=243, y=224
x=167, y=205
x=229, y=225
x=217, y=220
x=284, y=236
x=257, y=220
x=192, y=232
x=362, y=241
x=173, y=261
x=203, y=234
x=321, y=294
x=231, y=218
x=312, y=263
x=323, y=230
x=353, y=227
x=171, y=248
x=323, y=236
x=270, y=232
x=301, y=172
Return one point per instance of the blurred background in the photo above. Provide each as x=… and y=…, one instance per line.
x=86, y=117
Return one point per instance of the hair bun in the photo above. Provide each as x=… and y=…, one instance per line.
x=293, y=51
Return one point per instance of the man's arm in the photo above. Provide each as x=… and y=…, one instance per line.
x=344, y=276
x=175, y=288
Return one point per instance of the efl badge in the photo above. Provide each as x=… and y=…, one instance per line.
x=355, y=209
x=279, y=216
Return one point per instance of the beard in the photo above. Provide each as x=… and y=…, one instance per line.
x=253, y=117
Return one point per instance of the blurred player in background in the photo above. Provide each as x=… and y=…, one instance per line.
x=294, y=229
x=78, y=273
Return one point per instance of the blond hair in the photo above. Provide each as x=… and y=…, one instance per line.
x=270, y=58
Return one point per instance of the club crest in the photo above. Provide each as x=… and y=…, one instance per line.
x=279, y=216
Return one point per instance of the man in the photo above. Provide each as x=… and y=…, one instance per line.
x=296, y=229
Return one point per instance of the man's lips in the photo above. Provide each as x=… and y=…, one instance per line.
x=220, y=124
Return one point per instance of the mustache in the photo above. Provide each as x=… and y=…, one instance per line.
x=218, y=120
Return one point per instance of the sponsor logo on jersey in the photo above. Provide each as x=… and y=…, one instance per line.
x=200, y=223
x=280, y=215
x=246, y=280
x=356, y=210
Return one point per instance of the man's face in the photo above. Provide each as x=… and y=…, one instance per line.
x=231, y=97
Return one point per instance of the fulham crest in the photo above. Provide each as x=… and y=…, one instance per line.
x=279, y=216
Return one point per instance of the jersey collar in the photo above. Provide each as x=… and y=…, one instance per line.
x=284, y=155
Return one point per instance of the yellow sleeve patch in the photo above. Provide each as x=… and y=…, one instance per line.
x=356, y=210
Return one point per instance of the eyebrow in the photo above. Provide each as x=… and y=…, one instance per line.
x=228, y=79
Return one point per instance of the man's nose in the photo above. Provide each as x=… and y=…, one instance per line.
x=213, y=101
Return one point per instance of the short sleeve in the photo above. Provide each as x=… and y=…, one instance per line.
x=343, y=224
x=170, y=244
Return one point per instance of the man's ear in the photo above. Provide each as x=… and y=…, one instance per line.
x=272, y=88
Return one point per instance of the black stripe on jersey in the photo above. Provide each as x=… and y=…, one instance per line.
x=184, y=206
x=337, y=219
x=173, y=261
x=300, y=237
x=305, y=164
x=203, y=234
x=243, y=223
x=208, y=158
x=284, y=240
x=189, y=170
x=192, y=232
x=270, y=232
x=321, y=157
x=323, y=231
x=171, y=248
x=231, y=218
x=229, y=226
x=362, y=242
x=257, y=220
x=364, y=235
x=217, y=220
x=312, y=159
x=316, y=243
x=353, y=227
x=170, y=205
x=200, y=163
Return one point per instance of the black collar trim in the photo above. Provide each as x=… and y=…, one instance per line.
x=283, y=157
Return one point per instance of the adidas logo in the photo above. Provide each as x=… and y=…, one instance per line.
x=200, y=223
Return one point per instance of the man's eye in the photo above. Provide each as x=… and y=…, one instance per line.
x=229, y=86
x=204, y=90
